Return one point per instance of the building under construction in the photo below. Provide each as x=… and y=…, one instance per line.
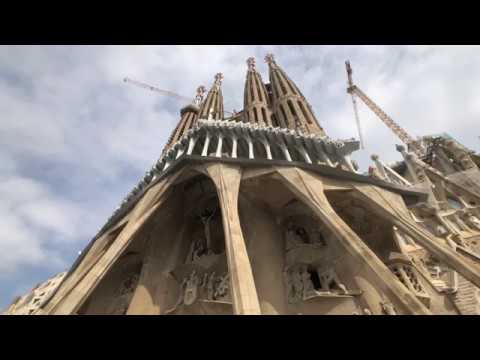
x=261, y=212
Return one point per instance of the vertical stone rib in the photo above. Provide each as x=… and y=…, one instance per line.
x=244, y=295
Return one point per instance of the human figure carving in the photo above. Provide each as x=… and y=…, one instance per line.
x=330, y=277
x=473, y=221
x=191, y=289
x=388, y=308
x=221, y=289
x=295, y=286
x=206, y=217
x=211, y=286
x=308, y=289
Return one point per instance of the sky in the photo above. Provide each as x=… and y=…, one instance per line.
x=75, y=138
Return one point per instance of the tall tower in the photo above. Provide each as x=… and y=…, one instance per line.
x=213, y=104
x=188, y=118
x=241, y=218
x=289, y=105
x=256, y=103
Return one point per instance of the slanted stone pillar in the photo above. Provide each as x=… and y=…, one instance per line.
x=69, y=299
x=392, y=207
x=267, y=255
x=154, y=285
x=244, y=295
x=309, y=190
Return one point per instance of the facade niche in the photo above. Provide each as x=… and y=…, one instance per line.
x=202, y=278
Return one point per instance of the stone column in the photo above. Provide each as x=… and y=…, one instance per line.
x=244, y=295
x=309, y=190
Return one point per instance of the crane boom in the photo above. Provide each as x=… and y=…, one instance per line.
x=387, y=120
x=153, y=88
x=166, y=92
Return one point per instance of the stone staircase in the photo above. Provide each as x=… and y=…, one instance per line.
x=467, y=297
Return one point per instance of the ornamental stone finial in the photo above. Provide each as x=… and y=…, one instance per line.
x=251, y=63
x=269, y=59
x=201, y=90
x=218, y=79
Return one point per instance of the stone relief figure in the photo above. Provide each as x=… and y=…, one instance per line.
x=301, y=286
x=308, y=288
x=222, y=288
x=388, y=308
x=440, y=230
x=211, y=286
x=295, y=286
x=197, y=250
x=329, y=281
x=191, y=289
x=473, y=221
x=202, y=245
x=460, y=155
x=297, y=235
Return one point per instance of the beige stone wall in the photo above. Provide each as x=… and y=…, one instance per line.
x=293, y=242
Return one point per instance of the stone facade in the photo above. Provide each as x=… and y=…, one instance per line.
x=263, y=213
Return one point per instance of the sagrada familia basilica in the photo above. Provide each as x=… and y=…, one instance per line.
x=262, y=213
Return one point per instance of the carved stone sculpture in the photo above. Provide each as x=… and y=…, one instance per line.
x=388, y=308
x=222, y=288
x=191, y=290
x=460, y=155
x=308, y=288
x=329, y=280
x=473, y=221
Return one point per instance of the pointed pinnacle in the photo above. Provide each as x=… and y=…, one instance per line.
x=269, y=59
x=251, y=63
x=218, y=79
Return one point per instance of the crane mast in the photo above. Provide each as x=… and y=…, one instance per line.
x=387, y=120
x=354, y=103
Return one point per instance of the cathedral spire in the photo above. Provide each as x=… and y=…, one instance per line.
x=188, y=118
x=213, y=104
x=289, y=105
x=256, y=107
